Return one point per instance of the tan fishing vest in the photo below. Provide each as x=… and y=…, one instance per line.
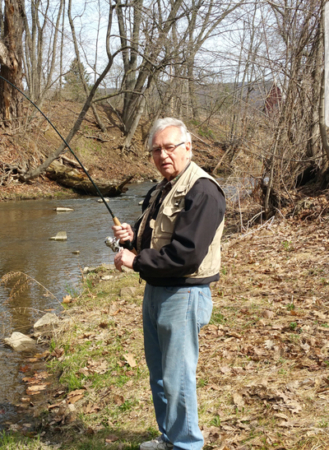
x=164, y=224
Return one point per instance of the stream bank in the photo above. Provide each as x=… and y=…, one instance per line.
x=264, y=358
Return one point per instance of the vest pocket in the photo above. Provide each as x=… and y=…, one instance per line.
x=169, y=217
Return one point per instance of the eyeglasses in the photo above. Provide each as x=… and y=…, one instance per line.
x=170, y=148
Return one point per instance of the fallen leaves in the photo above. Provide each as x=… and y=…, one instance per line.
x=276, y=327
x=36, y=384
x=263, y=359
x=67, y=299
x=91, y=408
x=34, y=390
x=118, y=399
x=130, y=359
x=93, y=366
x=58, y=353
x=238, y=400
x=75, y=396
x=111, y=438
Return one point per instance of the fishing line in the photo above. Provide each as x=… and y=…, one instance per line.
x=85, y=170
x=110, y=242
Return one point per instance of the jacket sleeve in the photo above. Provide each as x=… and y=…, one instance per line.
x=194, y=231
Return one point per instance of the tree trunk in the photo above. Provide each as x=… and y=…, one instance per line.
x=11, y=63
x=83, y=81
x=75, y=179
x=323, y=128
x=134, y=124
x=313, y=144
x=35, y=173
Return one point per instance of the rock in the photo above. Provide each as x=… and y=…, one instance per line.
x=47, y=321
x=103, y=267
x=89, y=269
x=105, y=198
x=107, y=277
x=60, y=236
x=20, y=342
x=60, y=209
x=127, y=292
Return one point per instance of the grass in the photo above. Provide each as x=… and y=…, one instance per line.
x=99, y=335
x=15, y=441
x=217, y=317
x=243, y=352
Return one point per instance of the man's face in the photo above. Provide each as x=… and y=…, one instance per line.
x=170, y=164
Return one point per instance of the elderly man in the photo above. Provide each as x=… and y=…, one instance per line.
x=177, y=240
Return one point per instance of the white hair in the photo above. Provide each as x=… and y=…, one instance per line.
x=161, y=124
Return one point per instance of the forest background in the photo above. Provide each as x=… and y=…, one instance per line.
x=246, y=77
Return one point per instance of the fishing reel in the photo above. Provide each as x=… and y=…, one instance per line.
x=113, y=244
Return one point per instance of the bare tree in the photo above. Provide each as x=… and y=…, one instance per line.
x=36, y=172
x=297, y=136
x=11, y=54
x=82, y=78
x=37, y=22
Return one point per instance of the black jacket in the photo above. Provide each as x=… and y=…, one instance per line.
x=194, y=231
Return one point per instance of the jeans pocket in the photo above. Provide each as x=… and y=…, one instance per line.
x=204, y=310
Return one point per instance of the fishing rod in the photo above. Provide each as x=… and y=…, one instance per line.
x=110, y=242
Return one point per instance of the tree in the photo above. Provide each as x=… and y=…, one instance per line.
x=41, y=26
x=76, y=126
x=83, y=77
x=11, y=55
x=74, y=81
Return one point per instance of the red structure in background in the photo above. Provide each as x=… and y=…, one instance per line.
x=273, y=100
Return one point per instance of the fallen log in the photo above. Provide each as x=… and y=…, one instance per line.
x=76, y=179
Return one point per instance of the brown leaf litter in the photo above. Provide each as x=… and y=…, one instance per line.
x=263, y=374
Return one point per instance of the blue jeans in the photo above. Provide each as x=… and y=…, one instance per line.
x=172, y=318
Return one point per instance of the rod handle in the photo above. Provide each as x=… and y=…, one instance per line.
x=116, y=221
x=129, y=244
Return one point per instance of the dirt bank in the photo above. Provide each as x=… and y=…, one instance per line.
x=101, y=153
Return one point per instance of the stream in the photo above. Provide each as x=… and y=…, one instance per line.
x=25, y=229
x=25, y=246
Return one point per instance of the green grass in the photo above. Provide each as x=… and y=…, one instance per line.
x=287, y=246
x=293, y=325
x=15, y=441
x=202, y=382
x=217, y=318
x=215, y=421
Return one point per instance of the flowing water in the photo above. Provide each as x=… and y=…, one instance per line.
x=25, y=229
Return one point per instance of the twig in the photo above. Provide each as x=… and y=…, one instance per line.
x=19, y=285
x=241, y=222
x=280, y=212
x=197, y=137
x=254, y=218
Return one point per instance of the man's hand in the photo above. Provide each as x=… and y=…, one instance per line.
x=123, y=232
x=124, y=258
